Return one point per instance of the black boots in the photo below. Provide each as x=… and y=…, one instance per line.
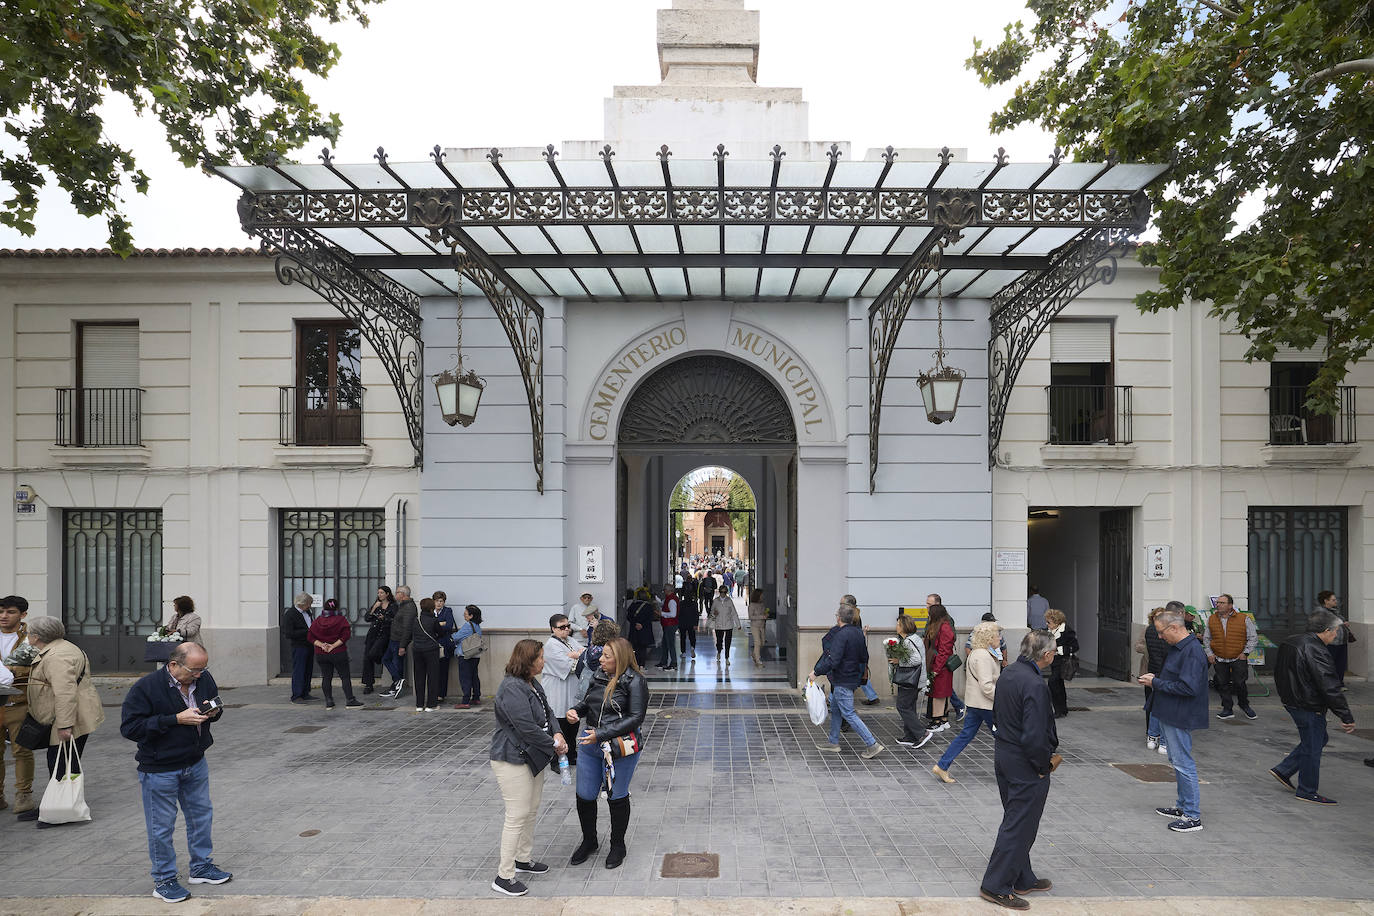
x=586, y=816
x=620, y=822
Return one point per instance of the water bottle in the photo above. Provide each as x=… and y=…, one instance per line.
x=563, y=772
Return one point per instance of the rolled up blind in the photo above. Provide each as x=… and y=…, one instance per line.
x=1081, y=342
x=109, y=356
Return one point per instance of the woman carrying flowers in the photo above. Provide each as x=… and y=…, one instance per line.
x=905, y=654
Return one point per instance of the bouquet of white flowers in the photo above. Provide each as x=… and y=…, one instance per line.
x=164, y=634
x=23, y=655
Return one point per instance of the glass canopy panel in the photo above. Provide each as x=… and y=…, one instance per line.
x=872, y=240
x=571, y=239
x=856, y=174
x=598, y=281
x=528, y=240
x=877, y=282
x=315, y=177
x=669, y=281
x=476, y=175
x=563, y=282
x=657, y=239
x=639, y=173
x=691, y=173
x=636, y=282
x=847, y=282
x=527, y=173
x=255, y=177
x=354, y=240
x=584, y=173
x=802, y=173
x=700, y=240
x=616, y=239
x=529, y=281
x=910, y=174
x=963, y=175
x=418, y=283
x=368, y=176
x=908, y=239
x=740, y=281
x=1070, y=176
x=786, y=239
x=776, y=282
x=966, y=240
x=998, y=240
x=705, y=282
x=1128, y=176
x=1018, y=176
x=989, y=283
x=405, y=241
x=748, y=173
x=810, y=282
x=952, y=282
x=743, y=240
x=829, y=239
x=421, y=174
x=490, y=240
x=1044, y=241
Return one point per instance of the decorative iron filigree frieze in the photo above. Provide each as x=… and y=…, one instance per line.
x=386, y=313
x=706, y=205
x=706, y=400
x=1022, y=311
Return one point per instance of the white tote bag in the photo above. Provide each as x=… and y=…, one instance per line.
x=816, y=706
x=64, y=802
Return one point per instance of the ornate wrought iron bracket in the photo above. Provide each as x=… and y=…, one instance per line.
x=520, y=314
x=1022, y=311
x=954, y=211
x=386, y=313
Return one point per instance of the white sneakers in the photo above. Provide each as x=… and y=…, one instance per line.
x=1151, y=742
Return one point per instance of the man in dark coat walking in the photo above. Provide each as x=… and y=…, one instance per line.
x=1309, y=685
x=1023, y=757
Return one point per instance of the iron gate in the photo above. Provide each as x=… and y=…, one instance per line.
x=333, y=553
x=1114, y=594
x=112, y=583
x=1295, y=552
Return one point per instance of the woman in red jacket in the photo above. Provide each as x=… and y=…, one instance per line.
x=939, y=639
x=329, y=635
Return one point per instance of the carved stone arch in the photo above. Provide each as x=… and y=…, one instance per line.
x=706, y=399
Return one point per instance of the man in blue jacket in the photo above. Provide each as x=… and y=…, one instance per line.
x=1179, y=701
x=169, y=713
x=844, y=656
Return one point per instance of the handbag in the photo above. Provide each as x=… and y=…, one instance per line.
x=627, y=745
x=64, y=802
x=953, y=662
x=475, y=645
x=1069, y=671
x=32, y=734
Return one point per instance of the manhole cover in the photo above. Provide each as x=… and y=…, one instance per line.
x=310, y=833
x=304, y=729
x=691, y=865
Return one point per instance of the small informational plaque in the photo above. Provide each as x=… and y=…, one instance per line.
x=589, y=563
x=1157, y=561
x=1009, y=560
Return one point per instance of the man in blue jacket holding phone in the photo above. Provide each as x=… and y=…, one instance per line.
x=169, y=713
x=1179, y=701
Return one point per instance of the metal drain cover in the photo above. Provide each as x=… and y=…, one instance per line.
x=1147, y=772
x=691, y=865
x=304, y=729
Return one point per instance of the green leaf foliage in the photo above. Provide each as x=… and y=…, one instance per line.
x=1242, y=96
x=223, y=76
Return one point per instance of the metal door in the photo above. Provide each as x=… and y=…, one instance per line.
x=1294, y=552
x=1114, y=594
x=112, y=583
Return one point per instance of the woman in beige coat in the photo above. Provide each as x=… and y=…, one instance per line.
x=61, y=694
x=185, y=620
x=981, y=670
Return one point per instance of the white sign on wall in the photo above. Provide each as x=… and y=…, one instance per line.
x=1009, y=560
x=589, y=563
x=1157, y=561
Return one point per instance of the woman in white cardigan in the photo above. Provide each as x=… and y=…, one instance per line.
x=981, y=670
x=561, y=653
x=724, y=619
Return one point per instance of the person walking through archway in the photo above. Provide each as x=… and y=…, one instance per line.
x=758, y=625
x=668, y=620
x=724, y=619
x=688, y=617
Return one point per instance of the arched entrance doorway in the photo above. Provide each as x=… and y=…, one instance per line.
x=710, y=410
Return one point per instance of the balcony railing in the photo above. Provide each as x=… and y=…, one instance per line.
x=99, y=417
x=1290, y=423
x=1088, y=414
x=321, y=416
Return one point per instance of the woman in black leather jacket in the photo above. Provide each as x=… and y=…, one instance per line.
x=611, y=714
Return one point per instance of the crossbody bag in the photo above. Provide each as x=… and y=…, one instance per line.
x=621, y=745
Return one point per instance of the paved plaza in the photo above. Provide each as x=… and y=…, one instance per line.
x=385, y=803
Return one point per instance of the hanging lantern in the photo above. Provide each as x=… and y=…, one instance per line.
x=459, y=392
x=941, y=385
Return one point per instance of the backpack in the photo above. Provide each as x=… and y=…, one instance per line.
x=476, y=645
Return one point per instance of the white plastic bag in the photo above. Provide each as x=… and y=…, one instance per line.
x=64, y=802
x=816, y=706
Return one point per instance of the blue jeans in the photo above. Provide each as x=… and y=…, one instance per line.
x=976, y=717
x=591, y=771
x=842, y=708
x=867, y=689
x=1152, y=729
x=302, y=670
x=1180, y=741
x=668, y=654
x=394, y=663
x=161, y=793
x=955, y=701
x=1306, y=758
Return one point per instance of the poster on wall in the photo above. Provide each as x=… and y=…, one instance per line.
x=589, y=563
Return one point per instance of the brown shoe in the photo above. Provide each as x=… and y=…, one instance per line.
x=3, y=804
x=1010, y=901
x=943, y=774
x=1041, y=884
x=24, y=802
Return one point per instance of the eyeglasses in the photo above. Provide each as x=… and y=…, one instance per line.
x=194, y=672
x=563, y=626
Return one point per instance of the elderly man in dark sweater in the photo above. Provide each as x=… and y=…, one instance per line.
x=844, y=656
x=169, y=713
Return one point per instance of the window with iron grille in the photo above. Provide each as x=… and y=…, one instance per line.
x=1295, y=552
x=112, y=583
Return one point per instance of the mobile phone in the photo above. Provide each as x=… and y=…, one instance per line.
x=210, y=705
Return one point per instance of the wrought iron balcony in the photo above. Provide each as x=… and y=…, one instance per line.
x=99, y=417
x=1291, y=423
x=321, y=416
x=1088, y=414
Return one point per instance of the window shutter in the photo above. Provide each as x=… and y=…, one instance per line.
x=1081, y=342
x=109, y=356
x=1313, y=354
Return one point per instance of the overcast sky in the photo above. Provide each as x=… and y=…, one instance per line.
x=531, y=72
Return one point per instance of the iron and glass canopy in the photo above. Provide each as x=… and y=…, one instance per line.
x=374, y=238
